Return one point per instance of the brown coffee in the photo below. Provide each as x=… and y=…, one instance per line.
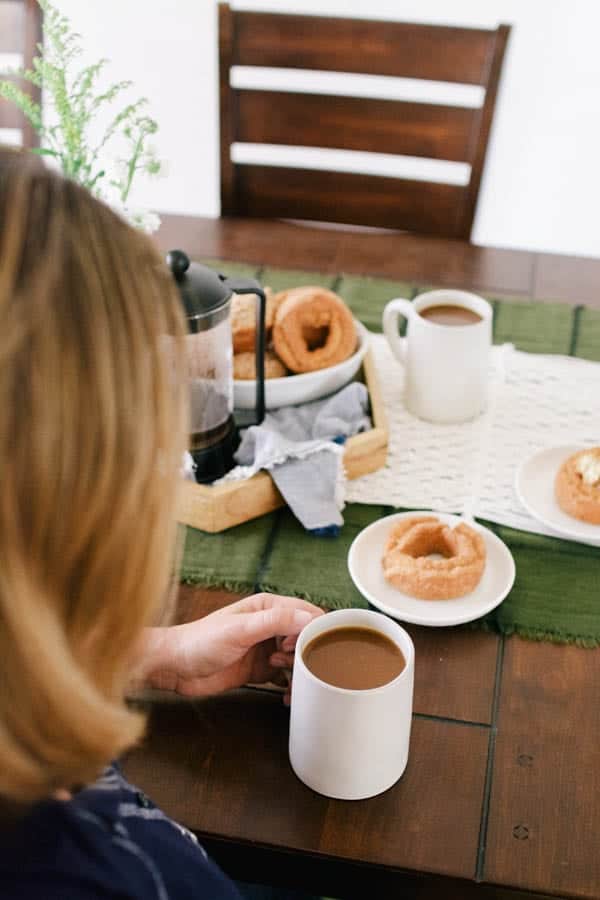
x=448, y=314
x=354, y=658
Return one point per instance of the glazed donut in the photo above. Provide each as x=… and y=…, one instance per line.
x=577, y=486
x=408, y=566
x=313, y=329
x=243, y=319
x=244, y=366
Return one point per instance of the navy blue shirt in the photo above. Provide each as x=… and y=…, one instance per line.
x=109, y=841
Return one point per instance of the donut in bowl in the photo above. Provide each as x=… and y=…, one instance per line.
x=313, y=329
x=244, y=366
x=243, y=319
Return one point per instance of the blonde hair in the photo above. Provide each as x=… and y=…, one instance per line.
x=92, y=428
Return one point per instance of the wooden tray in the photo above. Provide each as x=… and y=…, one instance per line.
x=215, y=509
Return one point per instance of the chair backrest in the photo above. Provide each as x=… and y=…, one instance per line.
x=20, y=32
x=410, y=129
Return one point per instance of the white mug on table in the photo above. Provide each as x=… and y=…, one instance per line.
x=351, y=744
x=446, y=366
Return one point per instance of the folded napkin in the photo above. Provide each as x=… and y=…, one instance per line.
x=301, y=446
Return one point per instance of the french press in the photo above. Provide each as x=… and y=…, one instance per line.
x=206, y=297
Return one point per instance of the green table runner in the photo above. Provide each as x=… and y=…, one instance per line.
x=556, y=595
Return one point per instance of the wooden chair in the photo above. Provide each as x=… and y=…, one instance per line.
x=440, y=132
x=20, y=31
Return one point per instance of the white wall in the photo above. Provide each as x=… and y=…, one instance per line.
x=541, y=186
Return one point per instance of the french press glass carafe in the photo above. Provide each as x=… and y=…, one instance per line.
x=206, y=297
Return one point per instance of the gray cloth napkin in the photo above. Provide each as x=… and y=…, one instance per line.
x=302, y=448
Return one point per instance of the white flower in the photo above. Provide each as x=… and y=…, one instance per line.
x=163, y=170
x=144, y=219
x=120, y=169
x=154, y=166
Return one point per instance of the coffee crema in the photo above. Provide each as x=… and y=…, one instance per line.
x=450, y=314
x=354, y=658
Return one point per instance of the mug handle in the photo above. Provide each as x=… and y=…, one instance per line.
x=392, y=312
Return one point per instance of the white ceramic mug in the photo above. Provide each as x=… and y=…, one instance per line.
x=351, y=744
x=446, y=366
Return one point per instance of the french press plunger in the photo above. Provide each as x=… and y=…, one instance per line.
x=206, y=297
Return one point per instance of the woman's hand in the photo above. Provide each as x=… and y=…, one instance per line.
x=252, y=641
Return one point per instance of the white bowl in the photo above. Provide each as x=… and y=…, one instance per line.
x=295, y=389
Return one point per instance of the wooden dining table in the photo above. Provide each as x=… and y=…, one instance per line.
x=501, y=797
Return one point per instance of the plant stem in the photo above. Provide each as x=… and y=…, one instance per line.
x=131, y=168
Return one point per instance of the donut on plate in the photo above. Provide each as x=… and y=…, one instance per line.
x=313, y=329
x=577, y=486
x=244, y=366
x=427, y=559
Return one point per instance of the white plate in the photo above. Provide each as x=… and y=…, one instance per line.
x=295, y=389
x=535, y=489
x=366, y=571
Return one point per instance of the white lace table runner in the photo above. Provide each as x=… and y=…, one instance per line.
x=537, y=401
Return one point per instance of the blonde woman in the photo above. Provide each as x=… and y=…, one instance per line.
x=92, y=428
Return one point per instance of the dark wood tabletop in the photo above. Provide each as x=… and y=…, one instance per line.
x=501, y=796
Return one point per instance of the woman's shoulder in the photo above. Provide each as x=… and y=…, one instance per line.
x=108, y=841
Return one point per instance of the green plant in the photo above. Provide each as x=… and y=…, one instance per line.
x=76, y=99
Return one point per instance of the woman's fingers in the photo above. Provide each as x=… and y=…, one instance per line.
x=250, y=628
x=263, y=601
x=280, y=660
x=288, y=644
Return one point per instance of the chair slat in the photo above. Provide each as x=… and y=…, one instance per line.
x=400, y=128
x=226, y=112
x=355, y=123
x=482, y=127
x=369, y=47
x=12, y=26
x=10, y=116
x=279, y=192
x=20, y=32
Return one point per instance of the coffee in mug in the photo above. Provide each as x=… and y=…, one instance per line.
x=445, y=354
x=354, y=658
x=351, y=742
x=445, y=314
